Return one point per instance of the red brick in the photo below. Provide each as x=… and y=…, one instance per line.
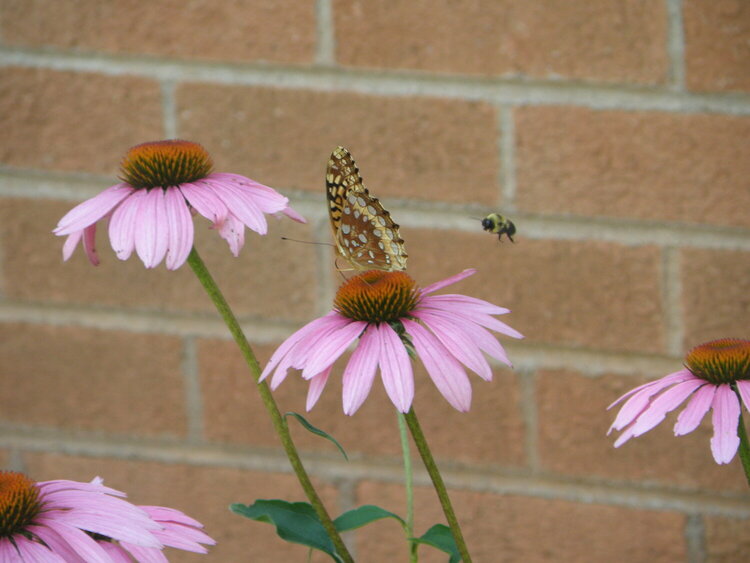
x=640, y=165
x=94, y=380
x=577, y=293
x=203, y=493
x=573, y=424
x=254, y=284
x=715, y=294
x=491, y=433
x=610, y=41
x=74, y=121
x=236, y=30
x=727, y=539
x=514, y=528
x=406, y=147
x=717, y=44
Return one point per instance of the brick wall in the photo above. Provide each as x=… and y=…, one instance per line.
x=614, y=133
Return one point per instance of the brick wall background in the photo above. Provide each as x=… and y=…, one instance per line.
x=614, y=133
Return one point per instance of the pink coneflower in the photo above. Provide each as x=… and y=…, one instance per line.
x=715, y=374
x=72, y=521
x=150, y=210
x=392, y=319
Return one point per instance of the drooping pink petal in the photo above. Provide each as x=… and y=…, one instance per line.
x=123, y=224
x=743, y=386
x=164, y=514
x=319, y=324
x=359, y=373
x=329, y=350
x=80, y=542
x=267, y=199
x=460, y=345
x=95, y=486
x=145, y=554
x=461, y=303
x=493, y=324
x=70, y=244
x=395, y=368
x=151, y=227
x=317, y=384
x=726, y=415
x=444, y=370
x=297, y=356
x=293, y=215
x=639, y=401
x=89, y=244
x=662, y=382
x=31, y=552
x=205, y=202
x=232, y=230
x=669, y=400
x=56, y=543
x=448, y=281
x=485, y=340
x=90, y=211
x=240, y=203
x=698, y=405
x=116, y=552
x=179, y=228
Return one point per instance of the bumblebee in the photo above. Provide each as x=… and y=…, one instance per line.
x=496, y=223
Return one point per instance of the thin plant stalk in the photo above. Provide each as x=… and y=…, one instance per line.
x=744, y=447
x=437, y=481
x=279, y=423
x=409, y=486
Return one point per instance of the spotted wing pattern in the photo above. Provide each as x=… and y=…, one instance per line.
x=364, y=232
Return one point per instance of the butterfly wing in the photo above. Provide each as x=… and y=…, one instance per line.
x=363, y=230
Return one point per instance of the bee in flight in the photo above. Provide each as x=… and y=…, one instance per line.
x=496, y=223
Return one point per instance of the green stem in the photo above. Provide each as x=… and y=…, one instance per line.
x=279, y=423
x=744, y=446
x=409, y=485
x=437, y=481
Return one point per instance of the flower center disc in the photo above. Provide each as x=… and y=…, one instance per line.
x=19, y=502
x=720, y=361
x=376, y=296
x=165, y=163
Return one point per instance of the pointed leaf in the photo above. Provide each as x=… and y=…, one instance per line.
x=295, y=522
x=362, y=516
x=317, y=431
x=440, y=536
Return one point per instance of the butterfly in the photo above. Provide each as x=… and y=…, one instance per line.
x=364, y=232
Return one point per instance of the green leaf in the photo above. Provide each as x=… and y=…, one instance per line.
x=440, y=536
x=361, y=516
x=295, y=522
x=317, y=431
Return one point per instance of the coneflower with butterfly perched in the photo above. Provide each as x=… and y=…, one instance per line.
x=364, y=233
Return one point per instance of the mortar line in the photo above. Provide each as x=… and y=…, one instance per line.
x=676, y=45
x=672, y=295
x=695, y=539
x=169, y=109
x=507, y=148
x=530, y=416
x=493, y=90
x=325, y=48
x=193, y=394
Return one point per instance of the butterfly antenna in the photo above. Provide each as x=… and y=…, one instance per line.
x=307, y=241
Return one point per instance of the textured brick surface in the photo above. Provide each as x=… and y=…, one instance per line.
x=237, y=30
x=717, y=44
x=641, y=165
x=83, y=379
x=34, y=270
x=407, y=148
x=572, y=437
x=513, y=528
x=591, y=294
x=203, y=493
x=715, y=294
x=491, y=433
x=727, y=539
x=611, y=41
x=74, y=121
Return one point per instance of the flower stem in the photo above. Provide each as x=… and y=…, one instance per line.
x=409, y=485
x=744, y=446
x=437, y=481
x=279, y=423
